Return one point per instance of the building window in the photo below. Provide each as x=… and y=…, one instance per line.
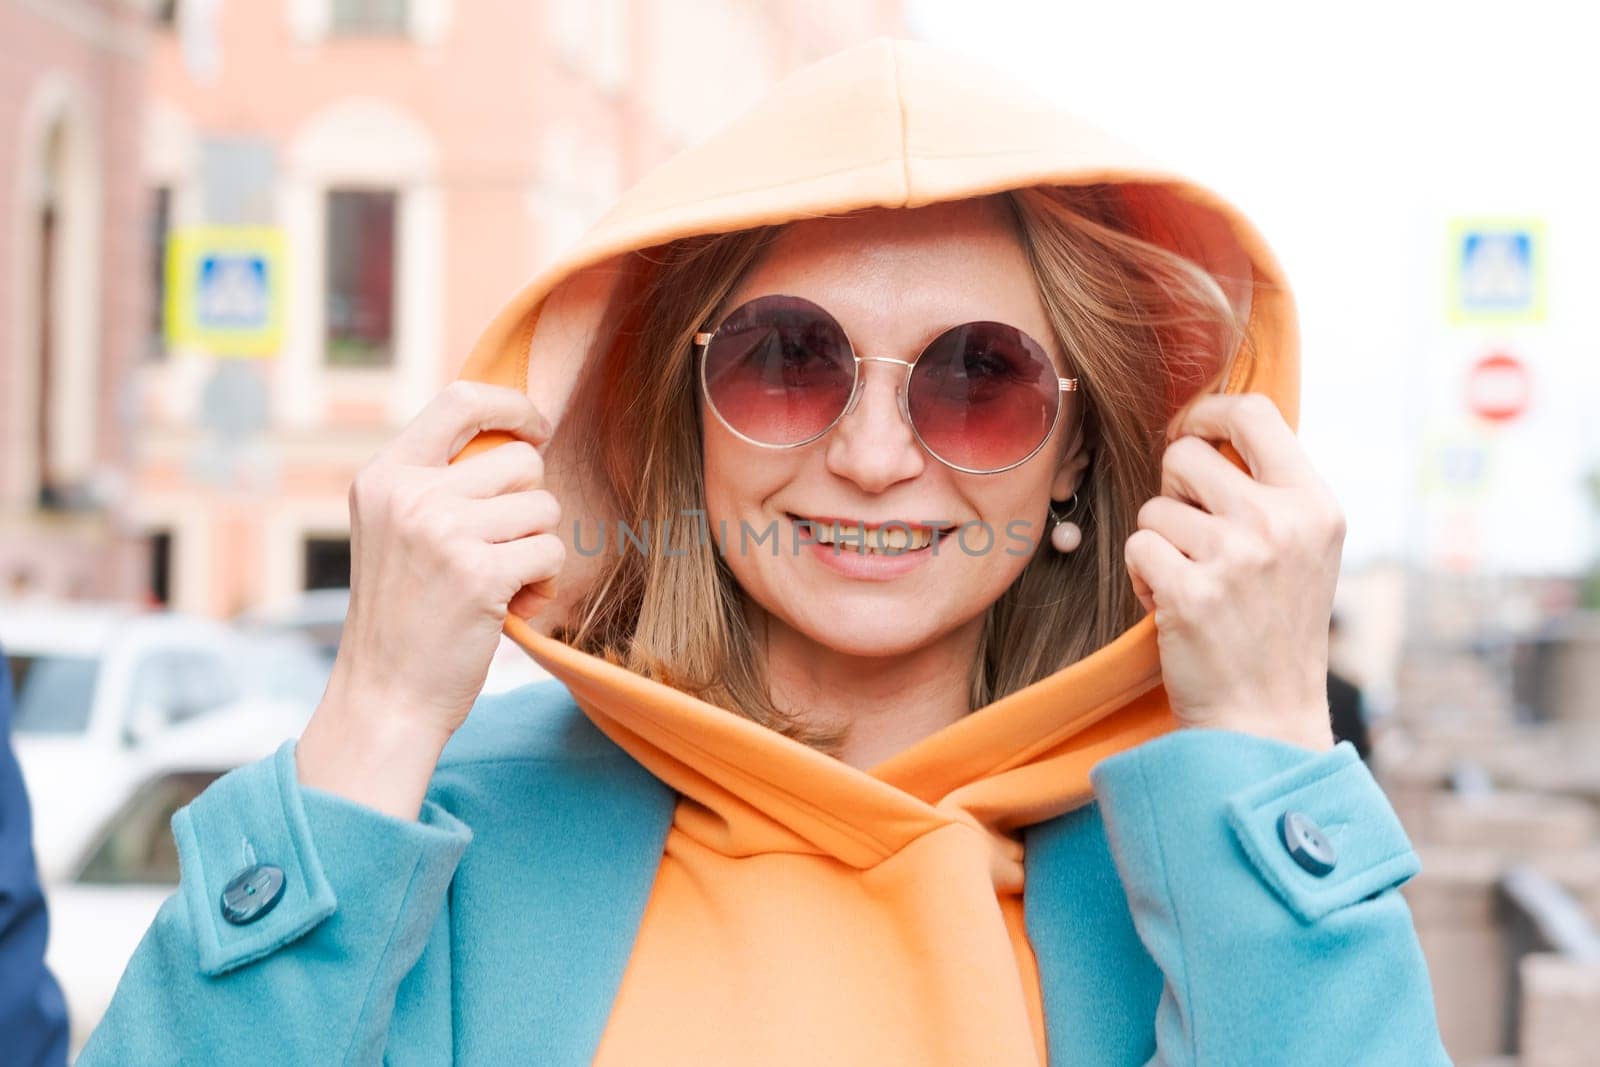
x=327, y=563
x=571, y=28
x=611, y=49
x=360, y=277
x=160, y=593
x=370, y=17
x=160, y=225
x=52, y=495
x=58, y=491
x=64, y=249
x=591, y=36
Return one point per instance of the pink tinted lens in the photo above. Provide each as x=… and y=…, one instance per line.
x=983, y=396
x=779, y=370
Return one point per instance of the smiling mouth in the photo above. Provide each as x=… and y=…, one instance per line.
x=893, y=538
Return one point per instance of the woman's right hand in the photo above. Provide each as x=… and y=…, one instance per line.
x=440, y=552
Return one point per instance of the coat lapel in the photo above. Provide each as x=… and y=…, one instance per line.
x=1099, y=985
x=567, y=882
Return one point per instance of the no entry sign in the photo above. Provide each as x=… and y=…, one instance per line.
x=1498, y=387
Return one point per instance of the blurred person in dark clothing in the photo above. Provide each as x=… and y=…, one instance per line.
x=1346, y=706
x=33, y=1015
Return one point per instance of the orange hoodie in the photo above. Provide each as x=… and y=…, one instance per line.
x=805, y=910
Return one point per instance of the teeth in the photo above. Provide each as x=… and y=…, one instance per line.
x=877, y=540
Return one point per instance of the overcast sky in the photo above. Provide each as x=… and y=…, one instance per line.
x=1352, y=134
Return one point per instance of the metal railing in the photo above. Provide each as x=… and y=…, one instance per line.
x=1537, y=913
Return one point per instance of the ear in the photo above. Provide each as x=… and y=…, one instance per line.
x=1070, y=473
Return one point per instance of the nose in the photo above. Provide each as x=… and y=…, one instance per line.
x=873, y=445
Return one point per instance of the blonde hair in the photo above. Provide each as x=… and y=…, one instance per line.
x=1143, y=329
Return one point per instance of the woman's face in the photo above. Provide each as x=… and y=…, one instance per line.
x=894, y=280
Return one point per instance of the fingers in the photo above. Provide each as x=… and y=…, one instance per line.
x=1155, y=566
x=1255, y=427
x=1193, y=470
x=514, y=515
x=507, y=468
x=534, y=563
x=1195, y=533
x=531, y=600
x=459, y=413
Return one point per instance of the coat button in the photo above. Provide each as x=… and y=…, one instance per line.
x=1306, y=843
x=252, y=893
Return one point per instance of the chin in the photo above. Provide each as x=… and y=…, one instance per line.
x=869, y=628
x=868, y=640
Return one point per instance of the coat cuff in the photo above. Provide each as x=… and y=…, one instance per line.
x=261, y=814
x=1198, y=797
x=1337, y=792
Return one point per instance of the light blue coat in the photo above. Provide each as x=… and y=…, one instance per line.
x=1170, y=922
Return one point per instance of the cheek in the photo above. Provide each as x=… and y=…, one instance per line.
x=739, y=477
x=1013, y=501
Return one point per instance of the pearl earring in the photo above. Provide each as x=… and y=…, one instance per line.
x=1065, y=536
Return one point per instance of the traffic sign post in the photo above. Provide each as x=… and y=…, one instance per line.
x=1496, y=289
x=225, y=296
x=234, y=413
x=226, y=289
x=1497, y=271
x=1499, y=387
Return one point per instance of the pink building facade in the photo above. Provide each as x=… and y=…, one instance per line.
x=420, y=159
x=73, y=294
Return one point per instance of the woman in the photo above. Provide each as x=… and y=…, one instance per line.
x=1044, y=773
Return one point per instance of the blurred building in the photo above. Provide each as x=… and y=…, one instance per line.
x=73, y=298
x=1491, y=756
x=420, y=159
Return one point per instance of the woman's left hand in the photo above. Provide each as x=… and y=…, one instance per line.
x=1240, y=570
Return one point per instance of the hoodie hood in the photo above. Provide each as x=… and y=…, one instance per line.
x=898, y=124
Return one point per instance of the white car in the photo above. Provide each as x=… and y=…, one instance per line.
x=119, y=870
x=114, y=866
x=319, y=614
x=98, y=683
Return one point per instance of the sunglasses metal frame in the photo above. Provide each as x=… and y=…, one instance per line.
x=702, y=342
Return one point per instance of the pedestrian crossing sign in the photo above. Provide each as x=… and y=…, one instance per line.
x=225, y=289
x=1497, y=271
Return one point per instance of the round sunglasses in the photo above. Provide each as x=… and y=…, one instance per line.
x=982, y=397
